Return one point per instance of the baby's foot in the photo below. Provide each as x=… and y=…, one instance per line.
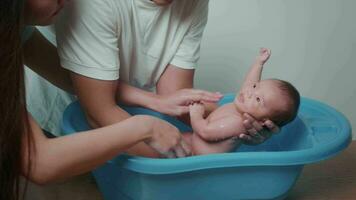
x=264, y=55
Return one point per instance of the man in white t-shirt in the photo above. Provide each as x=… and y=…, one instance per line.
x=152, y=47
x=137, y=52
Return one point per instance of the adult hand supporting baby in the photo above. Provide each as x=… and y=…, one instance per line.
x=177, y=103
x=257, y=131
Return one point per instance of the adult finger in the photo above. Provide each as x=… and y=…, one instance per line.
x=253, y=122
x=257, y=136
x=248, y=139
x=183, y=110
x=186, y=147
x=179, y=151
x=170, y=154
x=206, y=95
x=204, y=92
x=245, y=137
x=257, y=125
x=252, y=131
x=249, y=117
x=271, y=126
x=247, y=124
x=192, y=97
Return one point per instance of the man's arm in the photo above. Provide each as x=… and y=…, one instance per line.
x=133, y=96
x=179, y=73
x=41, y=56
x=97, y=99
x=255, y=71
x=174, y=92
x=175, y=78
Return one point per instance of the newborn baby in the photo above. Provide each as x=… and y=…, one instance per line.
x=271, y=99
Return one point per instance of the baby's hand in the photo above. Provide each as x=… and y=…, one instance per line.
x=264, y=55
x=197, y=108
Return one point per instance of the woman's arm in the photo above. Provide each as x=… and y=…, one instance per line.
x=67, y=156
x=41, y=56
x=97, y=97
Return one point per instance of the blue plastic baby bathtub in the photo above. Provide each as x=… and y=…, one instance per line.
x=266, y=171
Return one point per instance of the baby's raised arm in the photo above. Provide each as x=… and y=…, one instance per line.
x=254, y=74
x=220, y=129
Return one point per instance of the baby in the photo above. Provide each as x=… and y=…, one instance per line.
x=272, y=99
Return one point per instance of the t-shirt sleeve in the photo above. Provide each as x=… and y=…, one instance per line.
x=188, y=52
x=87, y=39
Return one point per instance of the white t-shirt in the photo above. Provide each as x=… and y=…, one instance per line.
x=133, y=40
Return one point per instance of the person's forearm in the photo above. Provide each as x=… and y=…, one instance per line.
x=254, y=74
x=113, y=114
x=97, y=98
x=41, y=56
x=67, y=156
x=132, y=96
x=174, y=79
x=107, y=116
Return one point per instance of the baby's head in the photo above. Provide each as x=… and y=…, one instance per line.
x=272, y=99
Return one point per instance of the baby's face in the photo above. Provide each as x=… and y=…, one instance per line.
x=260, y=100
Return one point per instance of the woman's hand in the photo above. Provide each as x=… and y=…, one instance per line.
x=177, y=103
x=257, y=132
x=165, y=138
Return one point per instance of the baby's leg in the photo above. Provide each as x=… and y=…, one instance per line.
x=195, y=143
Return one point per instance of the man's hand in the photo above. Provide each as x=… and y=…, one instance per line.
x=257, y=132
x=264, y=55
x=177, y=103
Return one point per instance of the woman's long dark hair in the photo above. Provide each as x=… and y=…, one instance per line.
x=14, y=124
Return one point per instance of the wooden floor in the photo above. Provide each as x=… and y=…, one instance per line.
x=334, y=179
